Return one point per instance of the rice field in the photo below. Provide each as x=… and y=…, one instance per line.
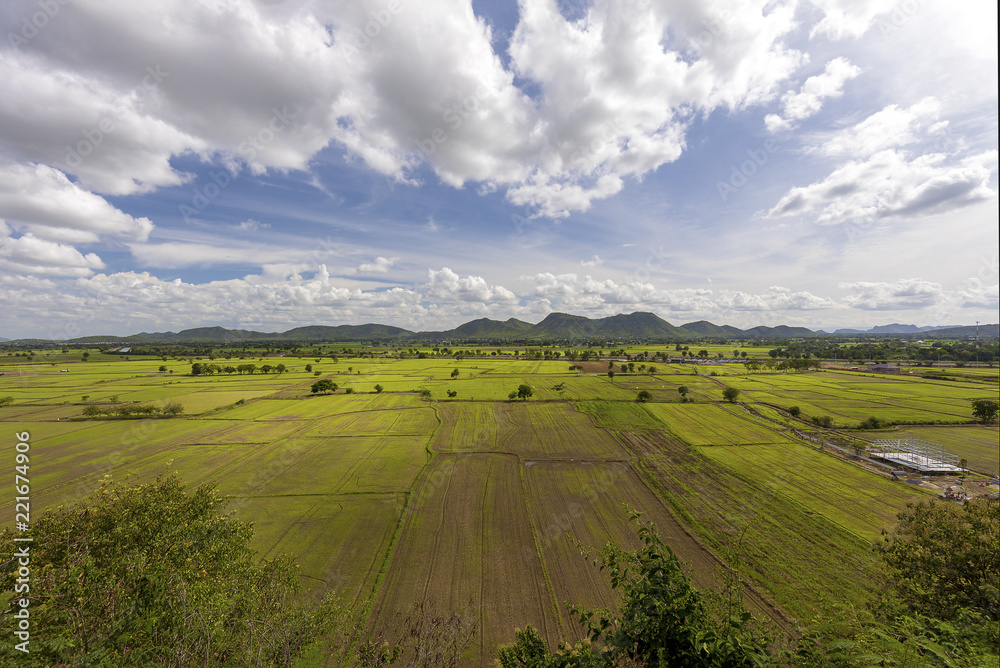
x=478, y=505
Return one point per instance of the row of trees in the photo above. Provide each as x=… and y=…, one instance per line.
x=200, y=369
x=169, y=409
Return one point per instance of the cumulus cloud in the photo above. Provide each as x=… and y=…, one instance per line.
x=776, y=298
x=381, y=265
x=583, y=293
x=816, y=89
x=29, y=255
x=904, y=294
x=594, y=261
x=57, y=209
x=448, y=285
x=888, y=185
x=579, y=107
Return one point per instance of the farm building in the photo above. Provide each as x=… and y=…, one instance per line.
x=884, y=368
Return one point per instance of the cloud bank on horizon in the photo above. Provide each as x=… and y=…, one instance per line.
x=273, y=163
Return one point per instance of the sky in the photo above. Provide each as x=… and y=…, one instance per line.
x=266, y=164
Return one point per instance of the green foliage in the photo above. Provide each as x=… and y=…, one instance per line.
x=524, y=391
x=890, y=636
x=153, y=575
x=530, y=651
x=6, y=401
x=794, y=411
x=325, y=385
x=643, y=396
x=985, y=410
x=824, y=421
x=378, y=389
x=452, y=394
x=731, y=394
x=170, y=409
x=945, y=558
x=425, y=393
x=454, y=373
x=874, y=423
x=664, y=621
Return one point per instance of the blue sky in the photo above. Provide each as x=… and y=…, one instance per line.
x=266, y=164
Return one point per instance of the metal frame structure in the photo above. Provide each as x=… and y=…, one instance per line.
x=916, y=454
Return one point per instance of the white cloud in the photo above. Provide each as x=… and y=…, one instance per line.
x=889, y=185
x=892, y=127
x=976, y=293
x=29, y=255
x=816, y=89
x=849, y=18
x=904, y=294
x=447, y=285
x=171, y=255
x=57, y=209
x=251, y=225
x=594, y=261
x=381, y=265
x=269, y=86
x=573, y=293
x=775, y=299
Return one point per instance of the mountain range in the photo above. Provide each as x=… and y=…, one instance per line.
x=555, y=327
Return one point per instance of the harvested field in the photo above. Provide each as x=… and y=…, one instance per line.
x=462, y=550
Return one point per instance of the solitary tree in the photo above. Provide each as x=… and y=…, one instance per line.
x=454, y=373
x=452, y=394
x=731, y=394
x=524, y=391
x=794, y=411
x=378, y=389
x=643, y=396
x=325, y=385
x=985, y=410
x=683, y=391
